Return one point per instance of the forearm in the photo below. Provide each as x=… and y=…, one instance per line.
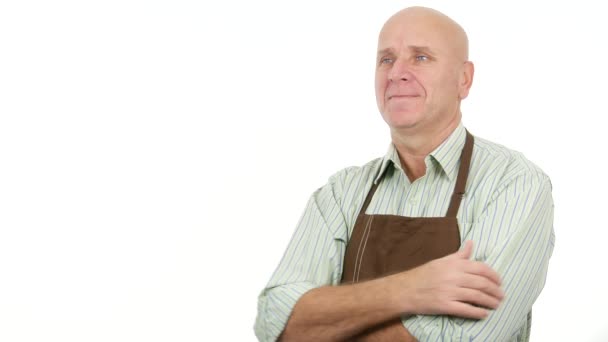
x=521, y=257
x=340, y=312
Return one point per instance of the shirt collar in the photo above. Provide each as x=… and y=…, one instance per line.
x=447, y=155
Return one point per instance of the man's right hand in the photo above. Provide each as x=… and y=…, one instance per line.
x=452, y=285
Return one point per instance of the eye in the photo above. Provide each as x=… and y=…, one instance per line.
x=386, y=60
x=422, y=58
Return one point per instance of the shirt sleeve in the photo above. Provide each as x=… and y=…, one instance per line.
x=312, y=259
x=519, y=226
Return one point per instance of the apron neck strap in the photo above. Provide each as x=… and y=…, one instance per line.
x=461, y=180
x=368, y=199
x=463, y=173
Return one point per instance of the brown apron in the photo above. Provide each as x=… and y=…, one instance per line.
x=385, y=244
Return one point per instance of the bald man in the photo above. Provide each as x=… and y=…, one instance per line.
x=445, y=238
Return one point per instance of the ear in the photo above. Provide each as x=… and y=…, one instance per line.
x=466, y=79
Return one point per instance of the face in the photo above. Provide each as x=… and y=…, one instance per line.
x=421, y=75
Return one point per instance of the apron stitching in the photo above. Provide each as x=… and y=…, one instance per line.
x=365, y=244
x=359, y=249
x=353, y=260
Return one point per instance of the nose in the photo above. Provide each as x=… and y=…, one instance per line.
x=400, y=71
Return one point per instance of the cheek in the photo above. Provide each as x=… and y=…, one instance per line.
x=436, y=87
x=441, y=93
x=448, y=85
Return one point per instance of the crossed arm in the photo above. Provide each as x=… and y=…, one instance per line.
x=430, y=300
x=450, y=285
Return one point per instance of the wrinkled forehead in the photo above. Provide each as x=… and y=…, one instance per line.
x=436, y=33
x=403, y=32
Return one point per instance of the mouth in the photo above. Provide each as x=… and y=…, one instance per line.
x=402, y=96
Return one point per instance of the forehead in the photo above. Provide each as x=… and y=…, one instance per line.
x=404, y=32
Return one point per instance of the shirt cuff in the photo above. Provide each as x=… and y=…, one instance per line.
x=274, y=308
x=435, y=328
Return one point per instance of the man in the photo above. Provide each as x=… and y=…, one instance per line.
x=377, y=254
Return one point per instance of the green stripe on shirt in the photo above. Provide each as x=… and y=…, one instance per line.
x=507, y=211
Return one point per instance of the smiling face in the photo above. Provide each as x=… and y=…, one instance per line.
x=422, y=72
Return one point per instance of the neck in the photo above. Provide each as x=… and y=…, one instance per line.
x=414, y=145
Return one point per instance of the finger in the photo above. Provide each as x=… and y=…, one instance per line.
x=465, y=310
x=477, y=297
x=483, y=284
x=482, y=269
x=466, y=251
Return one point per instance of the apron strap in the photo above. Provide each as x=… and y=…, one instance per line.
x=463, y=173
x=461, y=180
x=368, y=199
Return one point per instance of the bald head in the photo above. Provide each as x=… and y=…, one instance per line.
x=430, y=23
x=422, y=71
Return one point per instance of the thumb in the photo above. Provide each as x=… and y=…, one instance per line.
x=466, y=251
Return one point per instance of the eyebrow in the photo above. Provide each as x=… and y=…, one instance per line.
x=414, y=48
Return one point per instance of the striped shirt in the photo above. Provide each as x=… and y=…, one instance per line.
x=507, y=212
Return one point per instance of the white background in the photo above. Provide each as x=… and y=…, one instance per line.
x=155, y=156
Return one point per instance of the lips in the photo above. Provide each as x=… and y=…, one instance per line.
x=402, y=96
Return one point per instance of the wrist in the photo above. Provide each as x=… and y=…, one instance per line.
x=401, y=293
